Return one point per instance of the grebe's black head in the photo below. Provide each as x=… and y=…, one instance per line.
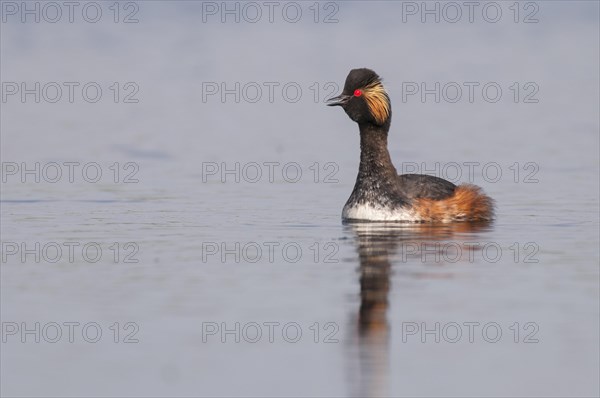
x=364, y=99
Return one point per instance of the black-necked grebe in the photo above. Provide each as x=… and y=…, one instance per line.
x=380, y=194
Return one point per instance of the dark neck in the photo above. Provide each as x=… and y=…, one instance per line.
x=377, y=179
x=375, y=159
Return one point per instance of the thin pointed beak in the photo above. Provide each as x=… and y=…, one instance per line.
x=340, y=100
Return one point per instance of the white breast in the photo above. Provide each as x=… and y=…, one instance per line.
x=370, y=212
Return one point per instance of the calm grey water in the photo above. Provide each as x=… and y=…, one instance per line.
x=210, y=253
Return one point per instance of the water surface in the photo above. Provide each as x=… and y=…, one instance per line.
x=189, y=252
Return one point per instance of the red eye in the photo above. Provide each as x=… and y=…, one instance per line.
x=357, y=93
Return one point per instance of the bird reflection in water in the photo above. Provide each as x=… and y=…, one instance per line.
x=379, y=246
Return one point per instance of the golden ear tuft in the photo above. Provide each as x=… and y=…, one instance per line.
x=378, y=101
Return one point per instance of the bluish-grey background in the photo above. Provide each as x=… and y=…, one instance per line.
x=172, y=54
